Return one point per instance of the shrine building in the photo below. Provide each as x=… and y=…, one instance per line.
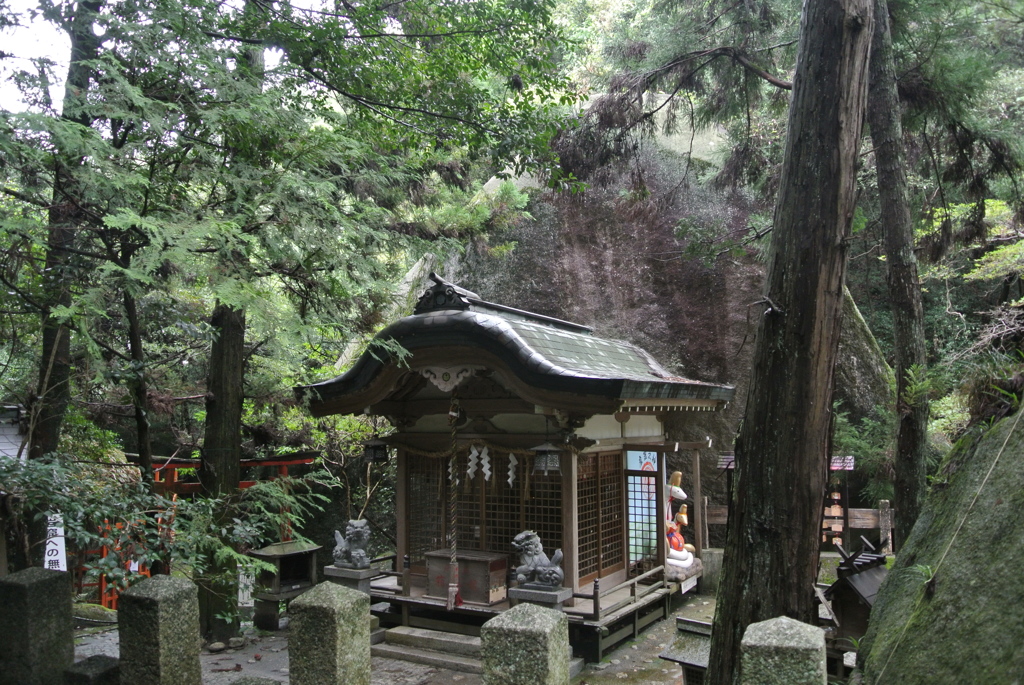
x=506, y=421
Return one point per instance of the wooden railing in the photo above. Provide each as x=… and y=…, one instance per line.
x=635, y=592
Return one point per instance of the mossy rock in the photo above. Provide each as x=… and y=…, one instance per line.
x=93, y=612
x=952, y=607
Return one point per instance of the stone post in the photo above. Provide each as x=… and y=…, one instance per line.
x=158, y=627
x=711, y=557
x=783, y=651
x=98, y=669
x=330, y=637
x=526, y=645
x=36, y=632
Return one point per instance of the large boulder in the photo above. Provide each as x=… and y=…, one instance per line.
x=952, y=607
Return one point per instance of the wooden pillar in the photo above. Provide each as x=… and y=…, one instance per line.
x=885, y=526
x=570, y=523
x=698, y=498
x=402, y=512
x=659, y=495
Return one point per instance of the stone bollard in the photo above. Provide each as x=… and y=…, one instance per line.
x=526, y=645
x=98, y=669
x=783, y=651
x=36, y=631
x=158, y=628
x=330, y=637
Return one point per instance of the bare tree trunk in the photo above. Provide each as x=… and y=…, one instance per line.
x=782, y=450
x=904, y=288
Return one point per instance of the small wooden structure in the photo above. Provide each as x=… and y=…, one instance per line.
x=294, y=573
x=472, y=388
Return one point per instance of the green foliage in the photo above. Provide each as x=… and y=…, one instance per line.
x=871, y=443
x=298, y=188
x=919, y=386
x=949, y=416
x=110, y=507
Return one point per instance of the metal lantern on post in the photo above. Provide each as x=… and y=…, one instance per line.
x=375, y=451
x=547, y=457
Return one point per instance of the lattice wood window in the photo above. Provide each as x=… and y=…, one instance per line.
x=490, y=513
x=644, y=511
x=599, y=498
x=543, y=509
x=504, y=512
x=426, y=506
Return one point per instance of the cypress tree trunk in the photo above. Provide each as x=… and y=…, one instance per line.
x=904, y=288
x=220, y=471
x=771, y=556
x=220, y=468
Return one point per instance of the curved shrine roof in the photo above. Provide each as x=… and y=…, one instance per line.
x=542, y=352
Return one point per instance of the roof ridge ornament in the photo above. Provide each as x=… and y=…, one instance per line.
x=443, y=295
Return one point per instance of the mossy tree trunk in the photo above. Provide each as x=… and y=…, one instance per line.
x=904, y=287
x=783, y=446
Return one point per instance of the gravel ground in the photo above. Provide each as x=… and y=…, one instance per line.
x=266, y=656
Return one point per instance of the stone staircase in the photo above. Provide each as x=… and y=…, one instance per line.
x=439, y=649
x=432, y=648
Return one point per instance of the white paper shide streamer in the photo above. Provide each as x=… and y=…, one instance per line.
x=485, y=464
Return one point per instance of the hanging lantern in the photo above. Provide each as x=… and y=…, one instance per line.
x=375, y=451
x=547, y=458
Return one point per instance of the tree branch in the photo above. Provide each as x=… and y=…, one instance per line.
x=38, y=202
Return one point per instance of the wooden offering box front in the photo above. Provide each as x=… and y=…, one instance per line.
x=482, y=576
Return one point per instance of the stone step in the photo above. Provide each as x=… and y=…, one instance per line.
x=428, y=657
x=443, y=650
x=435, y=640
x=693, y=625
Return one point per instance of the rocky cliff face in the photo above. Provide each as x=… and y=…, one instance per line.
x=952, y=607
x=611, y=259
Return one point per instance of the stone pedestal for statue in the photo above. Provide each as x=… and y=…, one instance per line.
x=549, y=598
x=355, y=578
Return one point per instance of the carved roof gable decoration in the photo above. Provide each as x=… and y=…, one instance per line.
x=447, y=378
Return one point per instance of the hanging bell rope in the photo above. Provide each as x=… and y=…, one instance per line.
x=454, y=598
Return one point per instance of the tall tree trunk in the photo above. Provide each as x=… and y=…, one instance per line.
x=220, y=470
x=139, y=387
x=53, y=394
x=904, y=288
x=771, y=556
x=220, y=467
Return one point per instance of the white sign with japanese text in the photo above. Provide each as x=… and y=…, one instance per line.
x=55, y=558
